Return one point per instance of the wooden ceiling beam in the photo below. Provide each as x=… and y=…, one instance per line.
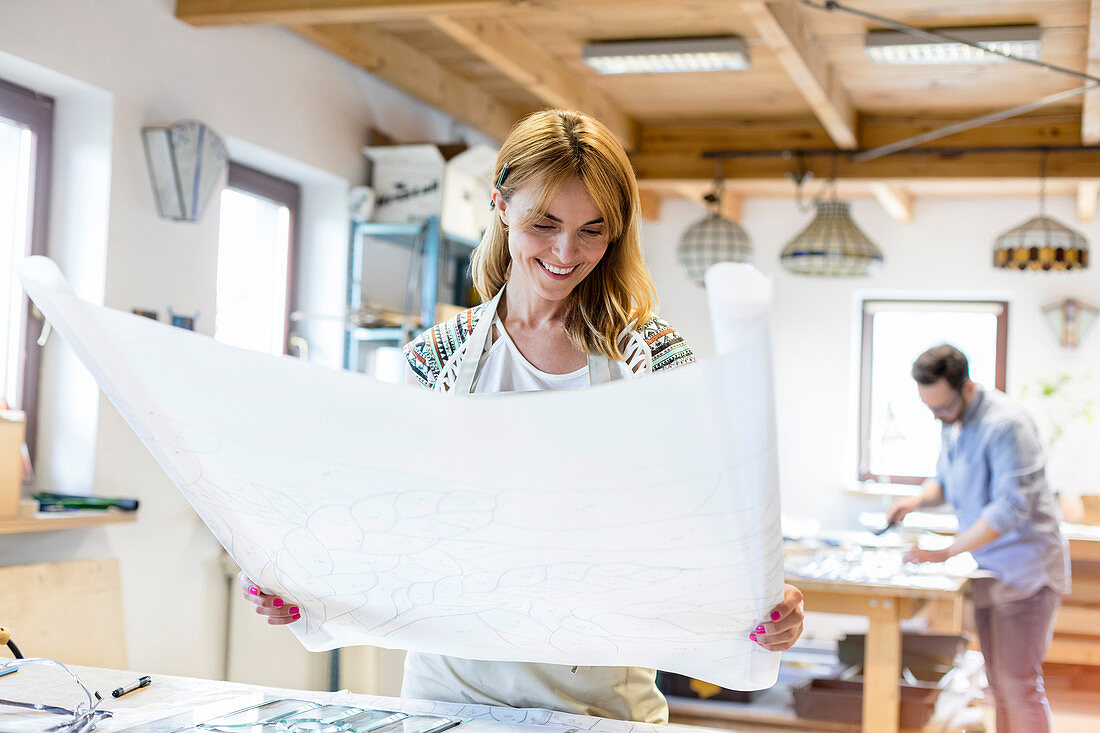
x=321, y=12
x=798, y=52
x=733, y=205
x=897, y=201
x=664, y=165
x=677, y=151
x=650, y=204
x=508, y=48
x=396, y=62
x=1090, y=112
x=1087, y=192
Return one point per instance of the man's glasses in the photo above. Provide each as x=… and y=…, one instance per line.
x=948, y=409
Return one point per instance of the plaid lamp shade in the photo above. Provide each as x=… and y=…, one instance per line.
x=712, y=239
x=1041, y=243
x=832, y=246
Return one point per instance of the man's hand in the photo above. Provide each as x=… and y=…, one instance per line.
x=902, y=507
x=919, y=555
x=784, y=624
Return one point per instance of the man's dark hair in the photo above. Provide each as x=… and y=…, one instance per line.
x=942, y=362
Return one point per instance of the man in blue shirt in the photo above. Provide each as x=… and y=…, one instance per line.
x=991, y=471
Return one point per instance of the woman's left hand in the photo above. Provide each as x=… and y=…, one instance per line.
x=784, y=626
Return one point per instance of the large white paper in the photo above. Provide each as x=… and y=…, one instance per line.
x=635, y=523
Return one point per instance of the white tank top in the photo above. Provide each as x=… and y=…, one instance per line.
x=504, y=369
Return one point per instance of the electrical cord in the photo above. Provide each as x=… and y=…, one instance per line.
x=5, y=638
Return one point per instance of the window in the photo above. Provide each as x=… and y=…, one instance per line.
x=26, y=129
x=255, y=252
x=899, y=438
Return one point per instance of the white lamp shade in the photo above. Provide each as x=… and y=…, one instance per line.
x=832, y=246
x=710, y=240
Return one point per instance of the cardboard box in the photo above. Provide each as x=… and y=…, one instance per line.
x=12, y=427
x=412, y=182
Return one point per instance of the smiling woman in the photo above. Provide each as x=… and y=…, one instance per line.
x=568, y=305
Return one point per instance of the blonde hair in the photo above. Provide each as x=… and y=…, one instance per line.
x=545, y=150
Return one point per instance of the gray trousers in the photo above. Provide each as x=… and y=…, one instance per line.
x=1015, y=637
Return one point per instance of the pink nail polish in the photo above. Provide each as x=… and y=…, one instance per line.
x=254, y=590
x=775, y=615
x=296, y=616
x=760, y=629
x=752, y=636
x=277, y=602
x=293, y=610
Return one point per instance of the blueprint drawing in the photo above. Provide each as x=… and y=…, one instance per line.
x=633, y=524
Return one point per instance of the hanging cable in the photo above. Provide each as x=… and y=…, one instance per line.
x=5, y=638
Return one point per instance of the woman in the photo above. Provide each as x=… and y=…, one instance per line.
x=569, y=303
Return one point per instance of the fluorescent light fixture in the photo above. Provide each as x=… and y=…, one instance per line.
x=668, y=55
x=902, y=49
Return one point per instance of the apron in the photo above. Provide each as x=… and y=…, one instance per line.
x=623, y=693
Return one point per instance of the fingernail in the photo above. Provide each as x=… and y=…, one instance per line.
x=760, y=629
x=752, y=636
x=254, y=590
x=293, y=610
x=775, y=615
x=277, y=602
x=296, y=616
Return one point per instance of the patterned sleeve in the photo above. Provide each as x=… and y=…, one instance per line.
x=668, y=348
x=429, y=352
x=423, y=358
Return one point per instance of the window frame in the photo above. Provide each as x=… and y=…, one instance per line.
x=36, y=111
x=286, y=193
x=865, y=375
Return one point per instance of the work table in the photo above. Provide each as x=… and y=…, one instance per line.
x=169, y=695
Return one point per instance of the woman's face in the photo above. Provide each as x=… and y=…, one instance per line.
x=553, y=253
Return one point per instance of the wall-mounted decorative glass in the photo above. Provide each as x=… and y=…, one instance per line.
x=187, y=164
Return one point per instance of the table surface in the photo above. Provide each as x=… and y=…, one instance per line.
x=169, y=695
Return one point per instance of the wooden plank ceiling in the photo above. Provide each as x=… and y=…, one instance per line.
x=810, y=85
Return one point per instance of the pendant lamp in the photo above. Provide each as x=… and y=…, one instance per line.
x=832, y=245
x=712, y=239
x=1041, y=243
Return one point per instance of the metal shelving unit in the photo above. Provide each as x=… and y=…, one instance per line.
x=434, y=248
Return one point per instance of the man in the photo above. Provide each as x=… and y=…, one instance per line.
x=991, y=470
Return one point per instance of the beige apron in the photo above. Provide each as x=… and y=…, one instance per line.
x=622, y=693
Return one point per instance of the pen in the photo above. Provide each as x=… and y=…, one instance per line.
x=8, y=670
x=135, y=685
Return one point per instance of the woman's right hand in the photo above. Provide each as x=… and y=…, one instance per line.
x=277, y=610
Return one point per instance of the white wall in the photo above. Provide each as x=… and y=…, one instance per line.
x=282, y=104
x=946, y=250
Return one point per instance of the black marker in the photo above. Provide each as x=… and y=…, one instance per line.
x=135, y=685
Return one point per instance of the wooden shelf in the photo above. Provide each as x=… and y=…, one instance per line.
x=44, y=521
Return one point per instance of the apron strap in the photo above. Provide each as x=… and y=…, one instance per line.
x=599, y=369
x=475, y=347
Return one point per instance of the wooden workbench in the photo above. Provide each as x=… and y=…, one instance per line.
x=885, y=607
x=1077, y=626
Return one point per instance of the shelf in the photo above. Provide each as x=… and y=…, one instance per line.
x=375, y=334
x=45, y=521
x=404, y=235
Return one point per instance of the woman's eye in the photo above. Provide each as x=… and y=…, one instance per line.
x=592, y=232
x=543, y=227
